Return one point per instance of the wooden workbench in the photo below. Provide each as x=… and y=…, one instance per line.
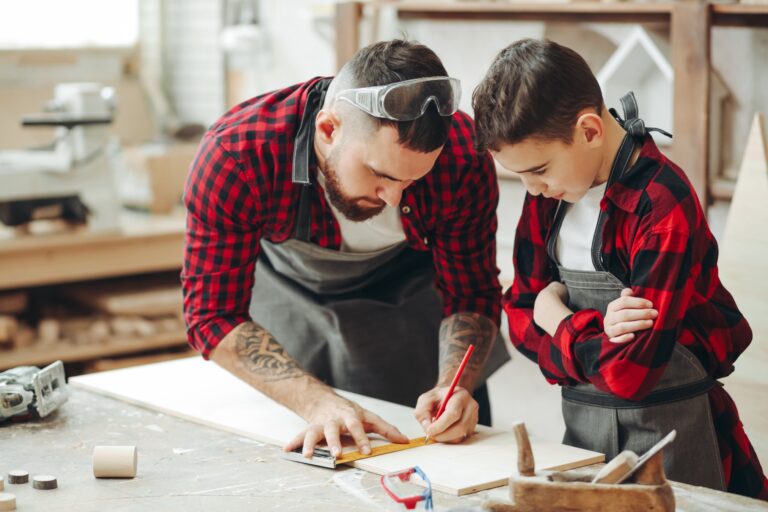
x=188, y=467
x=141, y=243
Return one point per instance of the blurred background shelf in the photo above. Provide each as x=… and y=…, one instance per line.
x=72, y=353
x=143, y=243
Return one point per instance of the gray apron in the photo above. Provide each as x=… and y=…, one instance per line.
x=363, y=322
x=599, y=421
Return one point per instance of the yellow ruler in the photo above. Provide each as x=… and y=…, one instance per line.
x=346, y=458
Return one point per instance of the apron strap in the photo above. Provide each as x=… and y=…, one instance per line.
x=663, y=396
x=303, y=155
x=632, y=122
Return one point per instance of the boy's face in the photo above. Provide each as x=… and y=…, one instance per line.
x=553, y=168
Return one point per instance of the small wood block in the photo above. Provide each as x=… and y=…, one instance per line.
x=44, y=482
x=18, y=477
x=2, y=483
x=7, y=501
x=9, y=326
x=115, y=461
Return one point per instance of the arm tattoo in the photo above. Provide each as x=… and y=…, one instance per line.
x=262, y=355
x=459, y=331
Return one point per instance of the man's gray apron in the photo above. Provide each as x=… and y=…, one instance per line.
x=602, y=422
x=363, y=322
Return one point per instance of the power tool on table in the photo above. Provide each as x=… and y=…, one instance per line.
x=27, y=392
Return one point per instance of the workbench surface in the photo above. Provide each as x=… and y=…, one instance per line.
x=189, y=467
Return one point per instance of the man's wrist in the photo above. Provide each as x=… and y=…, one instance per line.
x=310, y=394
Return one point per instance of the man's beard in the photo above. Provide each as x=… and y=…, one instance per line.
x=347, y=206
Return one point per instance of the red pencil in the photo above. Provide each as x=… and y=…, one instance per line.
x=453, y=385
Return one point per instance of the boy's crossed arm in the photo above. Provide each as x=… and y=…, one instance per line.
x=624, y=317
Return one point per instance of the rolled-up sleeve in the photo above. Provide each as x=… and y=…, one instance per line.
x=224, y=225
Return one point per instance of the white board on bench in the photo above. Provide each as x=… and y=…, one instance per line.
x=204, y=393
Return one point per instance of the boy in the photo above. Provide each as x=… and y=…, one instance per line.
x=616, y=294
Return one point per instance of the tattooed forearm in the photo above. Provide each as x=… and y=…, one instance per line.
x=457, y=332
x=260, y=353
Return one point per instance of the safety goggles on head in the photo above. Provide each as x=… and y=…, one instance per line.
x=407, y=100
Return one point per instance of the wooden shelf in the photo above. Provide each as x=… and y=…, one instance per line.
x=67, y=352
x=690, y=24
x=740, y=15
x=723, y=189
x=143, y=243
x=541, y=11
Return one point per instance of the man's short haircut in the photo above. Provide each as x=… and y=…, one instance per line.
x=533, y=89
x=387, y=62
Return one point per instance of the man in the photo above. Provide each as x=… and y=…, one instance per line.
x=373, y=222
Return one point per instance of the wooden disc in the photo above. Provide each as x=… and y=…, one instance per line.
x=44, y=482
x=18, y=477
x=7, y=501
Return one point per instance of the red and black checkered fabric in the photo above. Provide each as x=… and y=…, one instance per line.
x=657, y=241
x=239, y=191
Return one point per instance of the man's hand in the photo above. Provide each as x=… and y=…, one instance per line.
x=627, y=315
x=331, y=416
x=550, y=307
x=252, y=354
x=458, y=420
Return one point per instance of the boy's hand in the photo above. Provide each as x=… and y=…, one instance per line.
x=627, y=315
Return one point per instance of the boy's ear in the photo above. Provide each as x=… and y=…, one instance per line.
x=327, y=126
x=590, y=129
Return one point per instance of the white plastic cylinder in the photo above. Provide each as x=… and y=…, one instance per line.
x=115, y=461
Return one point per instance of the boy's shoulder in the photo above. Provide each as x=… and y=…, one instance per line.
x=658, y=191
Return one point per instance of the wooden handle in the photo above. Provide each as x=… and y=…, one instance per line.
x=525, y=463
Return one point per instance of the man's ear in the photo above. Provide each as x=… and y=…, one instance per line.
x=590, y=129
x=327, y=126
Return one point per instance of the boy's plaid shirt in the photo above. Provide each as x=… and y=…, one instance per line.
x=656, y=240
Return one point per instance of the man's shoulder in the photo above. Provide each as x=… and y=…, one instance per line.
x=264, y=119
x=459, y=155
x=461, y=134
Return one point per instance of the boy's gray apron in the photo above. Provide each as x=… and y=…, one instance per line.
x=599, y=421
x=363, y=322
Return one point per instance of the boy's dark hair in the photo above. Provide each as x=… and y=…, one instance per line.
x=387, y=62
x=534, y=88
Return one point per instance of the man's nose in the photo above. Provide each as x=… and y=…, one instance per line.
x=391, y=193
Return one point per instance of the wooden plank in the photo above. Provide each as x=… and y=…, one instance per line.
x=144, y=243
x=743, y=267
x=690, y=36
x=348, y=15
x=616, y=12
x=203, y=392
x=740, y=15
x=68, y=352
x=149, y=296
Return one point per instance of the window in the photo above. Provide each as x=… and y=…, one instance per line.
x=68, y=23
